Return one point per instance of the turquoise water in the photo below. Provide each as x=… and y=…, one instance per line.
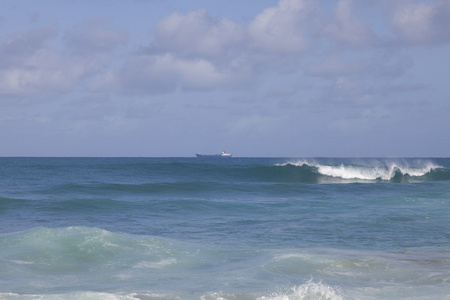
x=239, y=228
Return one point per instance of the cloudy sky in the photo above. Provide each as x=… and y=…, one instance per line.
x=296, y=78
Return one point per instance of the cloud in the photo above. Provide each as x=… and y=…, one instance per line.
x=145, y=74
x=196, y=34
x=346, y=28
x=194, y=51
x=278, y=30
x=197, y=51
x=281, y=29
x=422, y=22
x=33, y=65
x=43, y=73
x=29, y=66
x=165, y=73
x=22, y=44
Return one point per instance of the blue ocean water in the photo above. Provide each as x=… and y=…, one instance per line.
x=232, y=228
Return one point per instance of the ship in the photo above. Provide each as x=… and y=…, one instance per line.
x=223, y=154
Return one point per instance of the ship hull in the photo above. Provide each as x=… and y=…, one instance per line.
x=212, y=155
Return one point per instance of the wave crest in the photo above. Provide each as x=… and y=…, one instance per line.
x=371, y=171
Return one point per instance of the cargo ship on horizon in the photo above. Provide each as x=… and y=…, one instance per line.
x=223, y=154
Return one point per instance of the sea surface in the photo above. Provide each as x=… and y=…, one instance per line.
x=230, y=228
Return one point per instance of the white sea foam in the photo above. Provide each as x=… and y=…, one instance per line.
x=21, y=262
x=156, y=265
x=361, y=172
x=218, y=296
x=309, y=291
x=384, y=169
x=290, y=255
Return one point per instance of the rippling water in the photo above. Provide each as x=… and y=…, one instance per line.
x=239, y=228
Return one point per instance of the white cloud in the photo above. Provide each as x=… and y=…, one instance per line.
x=43, y=73
x=145, y=74
x=199, y=51
x=422, y=22
x=165, y=72
x=281, y=29
x=32, y=64
x=278, y=30
x=194, y=51
x=200, y=74
x=196, y=34
x=347, y=28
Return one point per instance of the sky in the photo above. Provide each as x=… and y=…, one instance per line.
x=288, y=78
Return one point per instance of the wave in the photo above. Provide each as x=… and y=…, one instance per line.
x=71, y=249
x=191, y=179
x=93, y=263
x=318, y=171
x=367, y=171
x=100, y=178
x=48, y=259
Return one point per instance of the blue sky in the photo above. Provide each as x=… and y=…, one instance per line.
x=296, y=78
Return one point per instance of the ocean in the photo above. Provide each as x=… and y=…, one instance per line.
x=230, y=228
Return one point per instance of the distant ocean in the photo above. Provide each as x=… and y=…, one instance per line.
x=231, y=228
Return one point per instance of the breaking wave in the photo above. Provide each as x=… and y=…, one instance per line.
x=125, y=266
x=365, y=171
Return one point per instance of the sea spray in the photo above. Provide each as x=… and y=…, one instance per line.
x=372, y=170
